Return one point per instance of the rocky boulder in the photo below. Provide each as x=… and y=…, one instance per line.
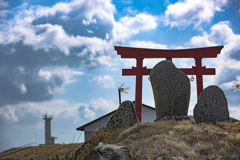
x=171, y=90
x=176, y=118
x=125, y=116
x=212, y=106
x=170, y=158
x=108, y=152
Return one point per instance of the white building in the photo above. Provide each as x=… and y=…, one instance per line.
x=148, y=115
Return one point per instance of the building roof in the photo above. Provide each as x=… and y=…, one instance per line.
x=81, y=128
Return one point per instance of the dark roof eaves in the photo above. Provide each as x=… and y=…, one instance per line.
x=146, y=106
x=81, y=128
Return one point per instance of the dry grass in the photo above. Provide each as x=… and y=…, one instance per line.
x=147, y=141
x=39, y=152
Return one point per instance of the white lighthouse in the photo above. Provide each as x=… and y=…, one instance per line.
x=48, y=138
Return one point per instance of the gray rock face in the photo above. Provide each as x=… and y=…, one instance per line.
x=212, y=106
x=125, y=116
x=228, y=158
x=171, y=90
x=176, y=118
x=108, y=152
x=169, y=158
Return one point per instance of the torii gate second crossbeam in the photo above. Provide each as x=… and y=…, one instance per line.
x=139, y=71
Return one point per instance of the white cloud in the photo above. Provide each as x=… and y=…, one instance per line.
x=45, y=74
x=147, y=44
x=23, y=88
x=227, y=85
x=105, y=81
x=8, y=113
x=3, y=11
x=129, y=26
x=88, y=113
x=234, y=112
x=102, y=104
x=186, y=12
x=59, y=108
x=146, y=62
x=3, y=4
x=32, y=32
x=202, y=41
x=221, y=34
x=103, y=9
x=115, y=69
x=51, y=75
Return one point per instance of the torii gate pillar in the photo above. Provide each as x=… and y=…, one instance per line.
x=199, y=80
x=138, y=94
x=140, y=53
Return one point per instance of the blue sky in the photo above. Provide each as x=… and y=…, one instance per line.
x=58, y=57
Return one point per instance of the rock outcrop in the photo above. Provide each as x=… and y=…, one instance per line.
x=125, y=116
x=176, y=118
x=171, y=90
x=212, y=106
x=108, y=152
x=169, y=158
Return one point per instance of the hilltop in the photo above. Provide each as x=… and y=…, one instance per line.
x=147, y=141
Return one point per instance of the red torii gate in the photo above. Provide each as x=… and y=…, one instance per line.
x=139, y=71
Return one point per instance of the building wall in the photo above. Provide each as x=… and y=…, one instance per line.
x=102, y=122
x=148, y=115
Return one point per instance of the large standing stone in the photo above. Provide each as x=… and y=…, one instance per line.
x=108, y=152
x=212, y=106
x=171, y=90
x=124, y=116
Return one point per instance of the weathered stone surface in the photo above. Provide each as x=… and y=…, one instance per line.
x=125, y=116
x=171, y=90
x=108, y=152
x=212, y=106
x=176, y=118
x=169, y=158
x=228, y=158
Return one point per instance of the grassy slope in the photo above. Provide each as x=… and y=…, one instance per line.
x=147, y=141
x=39, y=152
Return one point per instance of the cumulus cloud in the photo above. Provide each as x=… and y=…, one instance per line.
x=22, y=84
x=3, y=10
x=3, y=4
x=102, y=104
x=144, y=44
x=63, y=109
x=147, y=44
x=227, y=63
x=39, y=40
x=184, y=13
x=96, y=106
x=105, y=81
x=129, y=26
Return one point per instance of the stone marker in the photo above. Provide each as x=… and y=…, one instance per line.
x=212, y=106
x=171, y=90
x=176, y=118
x=124, y=116
x=108, y=152
x=170, y=158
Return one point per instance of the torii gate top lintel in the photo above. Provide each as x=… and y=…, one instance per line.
x=139, y=70
x=130, y=52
